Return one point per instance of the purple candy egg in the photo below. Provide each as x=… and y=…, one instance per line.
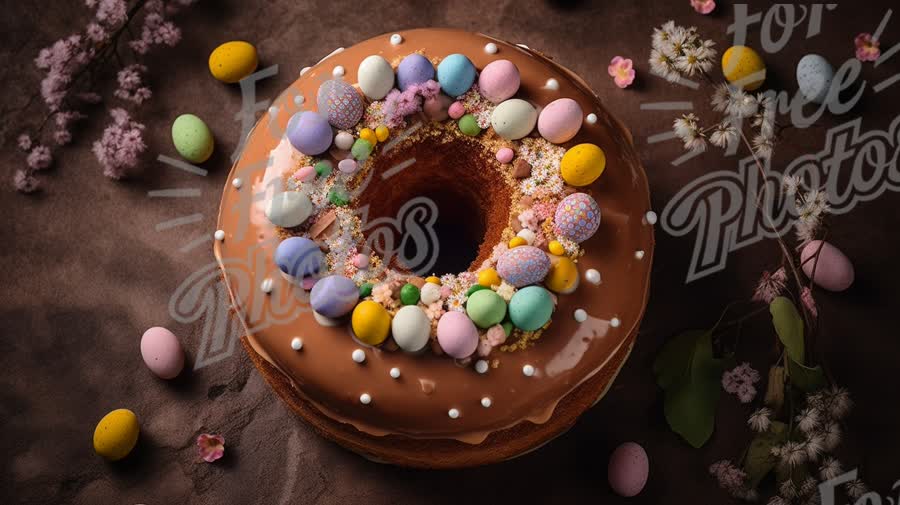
x=309, y=133
x=577, y=217
x=298, y=257
x=340, y=103
x=523, y=265
x=414, y=69
x=334, y=296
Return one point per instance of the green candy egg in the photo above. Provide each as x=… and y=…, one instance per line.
x=409, y=294
x=323, y=168
x=469, y=126
x=507, y=327
x=485, y=308
x=530, y=308
x=361, y=149
x=365, y=290
x=474, y=288
x=192, y=138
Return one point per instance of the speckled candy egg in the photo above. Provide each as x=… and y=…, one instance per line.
x=309, y=133
x=455, y=73
x=340, y=103
x=523, y=265
x=116, y=434
x=814, y=75
x=743, y=67
x=192, y=138
x=499, y=80
x=411, y=328
x=430, y=293
x=334, y=296
x=376, y=77
x=514, y=119
x=457, y=334
x=232, y=61
x=560, y=120
x=371, y=322
x=162, y=352
x=629, y=468
x=485, y=308
x=288, y=209
x=577, y=217
x=414, y=69
x=530, y=308
x=582, y=164
x=833, y=270
x=298, y=257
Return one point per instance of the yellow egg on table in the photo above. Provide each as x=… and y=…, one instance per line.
x=743, y=67
x=516, y=242
x=116, y=434
x=434, y=280
x=371, y=322
x=382, y=133
x=582, y=164
x=488, y=277
x=556, y=248
x=232, y=61
x=563, y=276
x=369, y=135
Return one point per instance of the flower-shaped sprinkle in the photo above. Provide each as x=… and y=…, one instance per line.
x=622, y=71
x=867, y=47
x=703, y=6
x=210, y=447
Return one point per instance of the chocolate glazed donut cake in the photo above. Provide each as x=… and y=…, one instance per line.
x=439, y=244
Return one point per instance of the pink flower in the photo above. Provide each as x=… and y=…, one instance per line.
x=25, y=182
x=96, y=33
x=739, y=382
x=731, y=478
x=703, y=6
x=210, y=447
x=544, y=210
x=809, y=302
x=622, y=71
x=131, y=86
x=770, y=286
x=435, y=310
x=39, y=158
x=867, y=48
x=24, y=142
x=496, y=335
x=120, y=146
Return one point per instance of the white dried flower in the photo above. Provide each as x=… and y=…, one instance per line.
x=787, y=489
x=855, y=489
x=830, y=468
x=761, y=420
x=832, y=433
x=763, y=147
x=741, y=104
x=690, y=61
x=792, y=184
x=840, y=401
x=721, y=97
x=696, y=144
x=723, y=135
x=808, y=487
x=662, y=65
x=793, y=454
x=815, y=446
x=808, y=419
x=777, y=500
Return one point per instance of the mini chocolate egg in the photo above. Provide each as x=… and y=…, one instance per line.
x=232, y=61
x=289, y=208
x=340, y=103
x=299, y=257
x=485, y=308
x=116, y=434
x=514, y=119
x=563, y=276
x=530, y=308
x=814, y=75
x=505, y=155
x=411, y=328
x=414, y=69
x=456, y=110
x=457, y=335
x=430, y=293
x=309, y=133
x=456, y=73
x=334, y=296
x=582, y=164
x=629, y=468
x=192, y=138
x=560, y=120
x=343, y=141
x=162, y=352
x=523, y=265
x=376, y=77
x=743, y=67
x=370, y=322
x=577, y=217
x=409, y=294
x=832, y=270
x=469, y=125
x=499, y=80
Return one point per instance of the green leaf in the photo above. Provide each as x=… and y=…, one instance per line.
x=806, y=378
x=760, y=460
x=690, y=404
x=789, y=327
x=674, y=360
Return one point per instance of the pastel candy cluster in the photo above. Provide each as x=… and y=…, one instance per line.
x=577, y=217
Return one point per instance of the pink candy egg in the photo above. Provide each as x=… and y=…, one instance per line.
x=361, y=261
x=560, y=120
x=505, y=155
x=833, y=270
x=499, y=80
x=348, y=166
x=577, y=217
x=162, y=352
x=457, y=334
x=629, y=468
x=305, y=174
x=457, y=110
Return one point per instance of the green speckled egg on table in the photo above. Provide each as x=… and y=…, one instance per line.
x=192, y=138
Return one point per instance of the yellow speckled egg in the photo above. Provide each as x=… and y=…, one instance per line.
x=434, y=280
x=556, y=248
x=516, y=242
x=232, y=61
x=743, y=67
x=563, y=276
x=582, y=164
x=371, y=322
x=369, y=135
x=488, y=277
x=382, y=133
x=116, y=434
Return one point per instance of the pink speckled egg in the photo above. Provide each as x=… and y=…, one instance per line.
x=457, y=334
x=340, y=103
x=456, y=110
x=523, y=265
x=162, y=352
x=560, y=120
x=629, y=468
x=577, y=217
x=499, y=80
x=833, y=270
x=505, y=155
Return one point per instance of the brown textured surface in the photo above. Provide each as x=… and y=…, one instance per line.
x=84, y=272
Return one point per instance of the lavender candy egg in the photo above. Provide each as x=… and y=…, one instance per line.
x=456, y=73
x=334, y=296
x=628, y=470
x=577, y=217
x=499, y=80
x=414, y=69
x=299, y=257
x=340, y=103
x=523, y=265
x=309, y=133
x=560, y=120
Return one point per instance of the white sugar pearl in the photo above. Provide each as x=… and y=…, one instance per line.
x=481, y=366
x=453, y=413
x=591, y=118
x=592, y=276
x=338, y=71
x=527, y=234
x=273, y=110
x=237, y=183
x=220, y=235
x=304, y=70
x=266, y=285
x=614, y=322
x=639, y=255
x=580, y=315
x=490, y=48
x=298, y=100
x=552, y=84
x=343, y=140
x=365, y=398
x=297, y=344
x=358, y=355
x=528, y=370
x=395, y=373
x=396, y=39
x=651, y=217
x=486, y=402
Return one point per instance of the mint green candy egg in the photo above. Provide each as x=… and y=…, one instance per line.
x=192, y=138
x=485, y=308
x=530, y=308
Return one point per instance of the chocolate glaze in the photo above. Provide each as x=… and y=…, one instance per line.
x=416, y=405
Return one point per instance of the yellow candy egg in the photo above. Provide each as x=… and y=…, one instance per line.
x=582, y=164
x=116, y=434
x=743, y=67
x=371, y=322
x=368, y=134
x=434, y=280
x=556, y=248
x=563, y=276
x=516, y=242
x=488, y=277
x=232, y=61
x=382, y=133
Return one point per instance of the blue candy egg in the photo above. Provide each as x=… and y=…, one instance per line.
x=414, y=69
x=530, y=308
x=334, y=296
x=309, y=133
x=456, y=74
x=814, y=76
x=298, y=257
